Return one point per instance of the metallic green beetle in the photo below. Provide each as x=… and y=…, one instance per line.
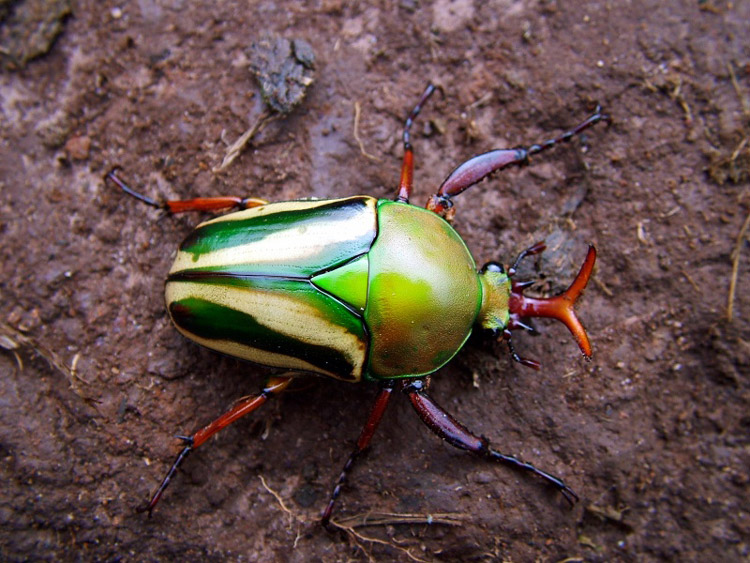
x=356, y=289
x=350, y=288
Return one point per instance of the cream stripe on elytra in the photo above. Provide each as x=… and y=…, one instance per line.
x=270, y=209
x=291, y=246
x=278, y=312
x=258, y=356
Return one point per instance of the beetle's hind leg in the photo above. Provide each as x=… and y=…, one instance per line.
x=222, y=203
x=479, y=167
x=456, y=434
x=241, y=408
x=376, y=415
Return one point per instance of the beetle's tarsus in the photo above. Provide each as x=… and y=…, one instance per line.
x=181, y=206
x=482, y=166
x=605, y=117
x=273, y=385
x=516, y=358
x=363, y=442
x=556, y=482
x=533, y=250
x=112, y=175
x=456, y=434
x=168, y=477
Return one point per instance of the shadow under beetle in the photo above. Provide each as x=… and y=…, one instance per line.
x=357, y=289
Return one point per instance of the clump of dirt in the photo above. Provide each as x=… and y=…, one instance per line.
x=28, y=28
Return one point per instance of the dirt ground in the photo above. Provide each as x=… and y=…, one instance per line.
x=653, y=434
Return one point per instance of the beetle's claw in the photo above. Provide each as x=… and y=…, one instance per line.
x=114, y=178
x=442, y=206
x=144, y=507
x=329, y=526
x=569, y=495
x=112, y=172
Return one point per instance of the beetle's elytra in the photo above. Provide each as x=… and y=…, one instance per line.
x=356, y=288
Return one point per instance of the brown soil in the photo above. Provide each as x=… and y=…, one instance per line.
x=653, y=433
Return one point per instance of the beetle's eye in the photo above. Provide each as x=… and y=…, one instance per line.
x=493, y=267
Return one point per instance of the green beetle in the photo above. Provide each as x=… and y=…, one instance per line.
x=357, y=289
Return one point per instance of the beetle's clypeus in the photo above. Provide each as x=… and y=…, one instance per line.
x=358, y=289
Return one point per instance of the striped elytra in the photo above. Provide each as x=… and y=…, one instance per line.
x=349, y=288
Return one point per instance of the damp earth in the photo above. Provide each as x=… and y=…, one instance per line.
x=653, y=433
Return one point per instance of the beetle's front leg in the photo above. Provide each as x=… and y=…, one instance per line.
x=407, y=166
x=456, y=434
x=241, y=408
x=479, y=167
x=222, y=203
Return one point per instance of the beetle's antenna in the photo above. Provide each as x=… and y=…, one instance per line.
x=559, y=307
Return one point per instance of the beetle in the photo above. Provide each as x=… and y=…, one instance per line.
x=359, y=289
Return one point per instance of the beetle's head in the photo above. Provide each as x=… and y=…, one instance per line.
x=504, y=306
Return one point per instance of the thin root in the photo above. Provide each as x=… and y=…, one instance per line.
x=13, y=340
x=691, y=281
x=349, y=524
x=743, y=99
x=735, y=267
x=676, y=95
x=641, y=234
x=391, y=518
x=278, y=498
x=738, y=150
x=358, y=538
x=600, y=284
x=357, y=111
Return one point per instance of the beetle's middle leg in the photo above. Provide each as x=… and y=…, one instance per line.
x=456, y=434
x=241, y=408
x=376, y=415
x=479, y=167
x=221, y=203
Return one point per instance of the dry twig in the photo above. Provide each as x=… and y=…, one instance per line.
x=391, y=518
x=736, y=267
x=284, y=70
x=357, y=111
x=743, y=99
x=348, y=525
x=278, y=498
x=14, y=340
